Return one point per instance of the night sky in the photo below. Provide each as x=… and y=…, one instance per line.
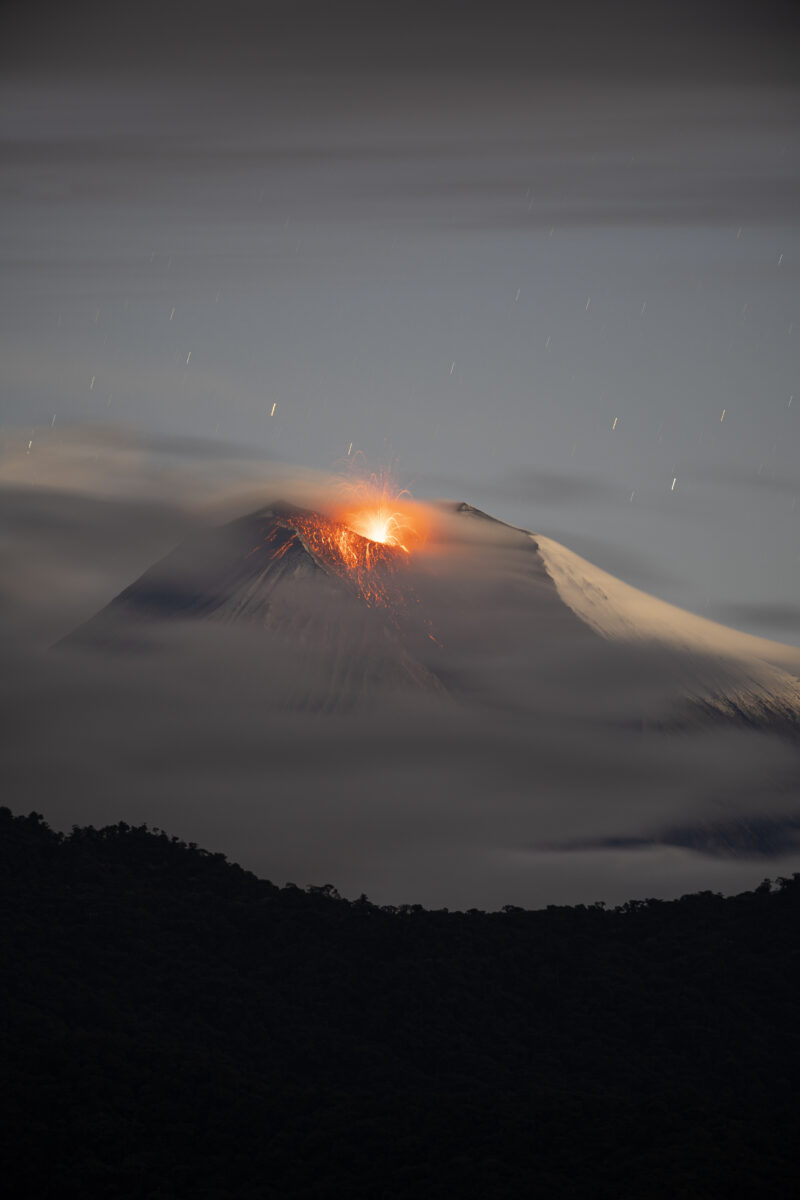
x=530, y=254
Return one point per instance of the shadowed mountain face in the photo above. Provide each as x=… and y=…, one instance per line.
x=245, y=570
x=333, y=596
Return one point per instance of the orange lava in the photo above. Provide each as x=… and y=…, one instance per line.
x=366, y=538
x=373, y=507
x=374, y=569
x=379, y=524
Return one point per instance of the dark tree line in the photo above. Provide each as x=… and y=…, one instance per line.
x=174, y=1027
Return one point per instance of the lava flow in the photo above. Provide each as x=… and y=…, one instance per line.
x=366, y=539
x=366, y=564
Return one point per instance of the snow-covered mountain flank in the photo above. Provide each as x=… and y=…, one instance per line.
x=486, y=612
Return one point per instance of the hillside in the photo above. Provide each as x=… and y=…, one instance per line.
x=175, y=1027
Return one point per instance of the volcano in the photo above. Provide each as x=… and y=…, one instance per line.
x=330, y=594
x=482, y=702
x=489, y=614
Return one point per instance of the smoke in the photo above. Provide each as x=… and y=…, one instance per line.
x=533, y=781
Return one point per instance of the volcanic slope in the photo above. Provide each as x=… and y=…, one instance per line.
x=742, y=675
x=501, y=617
x=698, y=668
x=333, y=597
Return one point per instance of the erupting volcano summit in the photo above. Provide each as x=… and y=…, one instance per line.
x=485, y=613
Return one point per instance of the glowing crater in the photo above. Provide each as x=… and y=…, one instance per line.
x=388, y=528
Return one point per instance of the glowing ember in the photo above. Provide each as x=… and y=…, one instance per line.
x=379, y=526
x=366, y=539
x=369, y=566
x=375, y=509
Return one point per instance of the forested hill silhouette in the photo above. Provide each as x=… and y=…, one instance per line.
x=177, y=1028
